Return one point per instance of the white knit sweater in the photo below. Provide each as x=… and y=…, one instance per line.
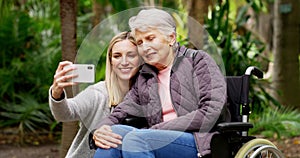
x=88, y=107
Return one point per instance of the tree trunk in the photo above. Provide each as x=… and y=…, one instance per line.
x=98, y=11
x=286, y=52
x=68, y=14
x=198, y=10
x=265, y=30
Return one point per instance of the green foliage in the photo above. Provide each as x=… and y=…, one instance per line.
x=5, y=6
x=28, y=114
x=239, y=49
x=121, y=5
x=277, y=123
x=26, y=57
x=29, y=53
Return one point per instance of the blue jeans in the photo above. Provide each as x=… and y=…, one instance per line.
x=148, y=143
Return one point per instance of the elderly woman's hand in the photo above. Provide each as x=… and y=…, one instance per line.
x=105, y=138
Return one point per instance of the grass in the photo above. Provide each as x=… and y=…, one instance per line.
x=278, y=123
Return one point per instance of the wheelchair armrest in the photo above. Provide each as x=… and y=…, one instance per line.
x=233, y=126
x=137, y=122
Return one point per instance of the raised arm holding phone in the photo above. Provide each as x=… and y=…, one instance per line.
x=95, y=102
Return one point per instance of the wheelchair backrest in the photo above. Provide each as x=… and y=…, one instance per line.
x=237, y=96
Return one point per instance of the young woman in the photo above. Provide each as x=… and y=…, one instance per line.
x=95, y=102
x=180, y=91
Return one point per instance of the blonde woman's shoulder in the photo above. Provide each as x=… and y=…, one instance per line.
x=99, y=86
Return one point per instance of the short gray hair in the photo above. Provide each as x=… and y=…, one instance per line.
x=153, y=18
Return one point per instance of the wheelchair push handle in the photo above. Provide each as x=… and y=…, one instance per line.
x=252, y=70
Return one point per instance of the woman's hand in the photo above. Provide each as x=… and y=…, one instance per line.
x=105, y=138
x=60, y=80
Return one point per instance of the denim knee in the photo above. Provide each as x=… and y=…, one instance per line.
x=108, y=153
x=135, y=142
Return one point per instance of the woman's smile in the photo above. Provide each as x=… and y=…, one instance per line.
x=126, y=69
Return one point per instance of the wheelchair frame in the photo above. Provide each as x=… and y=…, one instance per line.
x=233, y=140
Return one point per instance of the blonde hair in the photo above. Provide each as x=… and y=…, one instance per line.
x=113, y=87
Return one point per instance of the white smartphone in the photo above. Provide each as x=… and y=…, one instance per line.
x=85, y=72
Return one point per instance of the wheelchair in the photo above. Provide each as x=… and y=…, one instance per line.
x=233, y=140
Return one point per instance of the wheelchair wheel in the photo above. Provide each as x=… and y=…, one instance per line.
x=259, y=148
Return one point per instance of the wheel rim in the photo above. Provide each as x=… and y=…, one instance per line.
x=259, y=148
x=266, y=151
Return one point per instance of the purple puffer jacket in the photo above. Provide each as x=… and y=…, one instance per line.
x=198, y=92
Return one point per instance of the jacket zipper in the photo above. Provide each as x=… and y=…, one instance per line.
x=171, y=93
x=159, y=100
x=197, y=146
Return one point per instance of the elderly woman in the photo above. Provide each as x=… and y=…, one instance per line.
x=181, y=93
